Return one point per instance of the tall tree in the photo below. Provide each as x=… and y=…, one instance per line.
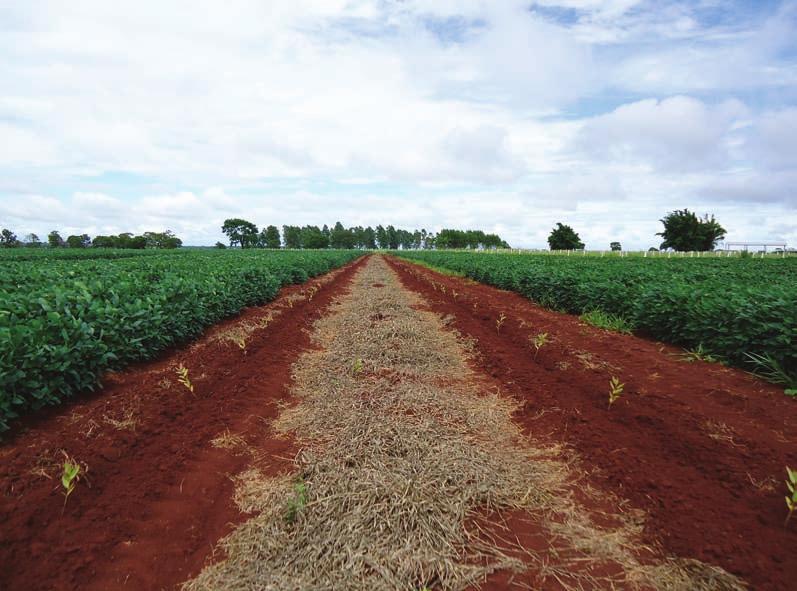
x=271, y=237
x=392, y=238
x=369, y=238
x=240, y=232
x=54, y=239
x=616, y=246
x=563, y=237
x=340, y=237
x=78, y=241
x=382, y=238
x=292, y=235
x=8, y=239
x=165, y=239
x=313, y=237
x=684, y=231
x=32, y=240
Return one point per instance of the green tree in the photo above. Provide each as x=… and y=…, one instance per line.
x=54, y=239
x=271, y=237
x=220, y=245
x=369, y=238
x=382, y=238
x=76, y=241
x=32, y=240
x=292, y=235
x=8, y=239
x=165, y=239
x=684, y=231
x=392, y=238
x=616, y=246
x=313, y=237
x=340, y=237
x=240, y=232
x=104, y=241
x=563, y=237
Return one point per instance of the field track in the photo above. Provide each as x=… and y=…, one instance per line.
x=688, y=463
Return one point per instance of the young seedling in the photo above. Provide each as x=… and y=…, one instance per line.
x=357, y=367
x=69, y=476
x=500, y=322
x=239, y=340
x=297, y=502
x=791, y=498
x=615, y=390
x=539, y=342
x=182, y=377
x=699, y=353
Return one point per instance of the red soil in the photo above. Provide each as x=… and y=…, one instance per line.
x=156, y=498
x=699, y=447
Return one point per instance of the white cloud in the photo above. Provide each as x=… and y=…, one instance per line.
x=503, y=115
x=680, y=133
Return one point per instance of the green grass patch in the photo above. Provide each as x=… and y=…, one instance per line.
x=601, y=319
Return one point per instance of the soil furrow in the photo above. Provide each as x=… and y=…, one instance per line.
x=156, y=494
x=698, y=447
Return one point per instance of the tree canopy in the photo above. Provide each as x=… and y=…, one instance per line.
x=563, y=237
x=8, y=239
x=684, y=231
x=240, y=232
x=270, y=237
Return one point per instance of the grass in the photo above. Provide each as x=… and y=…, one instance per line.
x=770, y=370
x=699, y=353
x=606, y=321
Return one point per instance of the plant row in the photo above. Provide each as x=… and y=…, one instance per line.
x=736, y=309
x=63, y=323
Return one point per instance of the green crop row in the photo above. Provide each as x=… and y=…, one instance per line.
x=734, y=308
x=63, y=323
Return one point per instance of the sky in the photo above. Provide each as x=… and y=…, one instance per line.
x=499, y=115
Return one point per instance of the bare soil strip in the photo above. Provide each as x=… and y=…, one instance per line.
x=156, y=495
x=700, y=448
x=412, y=475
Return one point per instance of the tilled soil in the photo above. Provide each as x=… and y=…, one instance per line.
x=156, y=495
x=687, y=464
x=699, y=447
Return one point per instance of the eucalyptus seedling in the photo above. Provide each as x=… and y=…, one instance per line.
x=539, y=341
x=182, y=377
x=791, y=498
x=69, y=476
x=297, y=502
x=615, y=390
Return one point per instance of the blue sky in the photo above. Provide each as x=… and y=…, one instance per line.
x=501, y=115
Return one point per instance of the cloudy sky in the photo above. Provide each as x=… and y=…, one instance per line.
x=502, y=115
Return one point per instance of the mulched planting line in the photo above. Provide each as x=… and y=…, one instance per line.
x=701, y=448
x=157, y=493
x=412, y=474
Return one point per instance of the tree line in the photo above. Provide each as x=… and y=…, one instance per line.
x=683, y=231
x=165, y=239
x=245, y=234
